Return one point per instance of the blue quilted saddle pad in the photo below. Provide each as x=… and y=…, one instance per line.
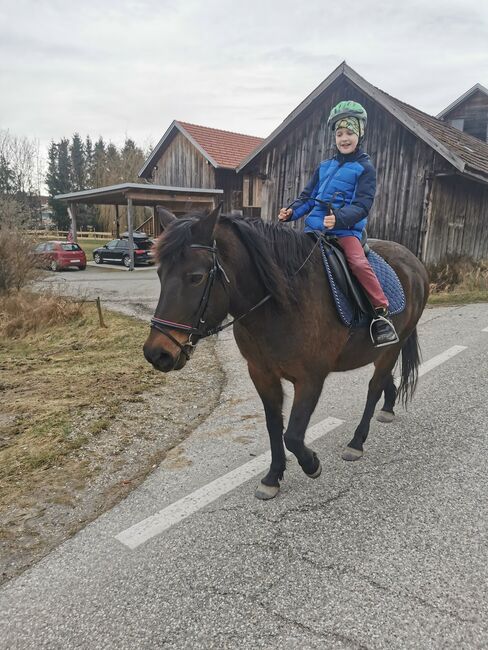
x=389, y=281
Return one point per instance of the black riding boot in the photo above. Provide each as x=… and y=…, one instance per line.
x=382, y=329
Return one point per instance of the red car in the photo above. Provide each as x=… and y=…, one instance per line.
x=58, y=255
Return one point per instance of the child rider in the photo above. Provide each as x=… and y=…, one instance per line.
x=351, y=175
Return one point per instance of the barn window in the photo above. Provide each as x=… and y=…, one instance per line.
x=476, y=126
x=458, y=123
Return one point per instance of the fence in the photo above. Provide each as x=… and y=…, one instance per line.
x=62, y=234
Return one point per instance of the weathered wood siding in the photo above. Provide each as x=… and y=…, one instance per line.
x=231, y=183
x=401, y=161
x=458, y=221
x=182, y=165
x=471, y=116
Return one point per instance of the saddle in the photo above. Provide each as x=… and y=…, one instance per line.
x=346, y=282
x=352, y=303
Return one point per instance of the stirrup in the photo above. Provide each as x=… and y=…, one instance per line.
x=390, y=325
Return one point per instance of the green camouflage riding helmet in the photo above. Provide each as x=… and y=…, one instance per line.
x=350, y=115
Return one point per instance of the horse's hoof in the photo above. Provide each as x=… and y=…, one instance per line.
x=351, y=454
x=265, y=492
x=317, y=472
x=385, y=416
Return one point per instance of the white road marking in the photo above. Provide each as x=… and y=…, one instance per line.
x=435, y=361
x=188, y=505
x=440, y=358
x=485, y=329
x=183, y=508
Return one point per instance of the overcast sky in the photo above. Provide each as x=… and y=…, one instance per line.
x=122, y=68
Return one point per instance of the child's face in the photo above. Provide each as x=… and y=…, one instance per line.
x=346, y=140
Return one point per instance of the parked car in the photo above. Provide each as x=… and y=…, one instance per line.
x=118, y=251
x=59, y=255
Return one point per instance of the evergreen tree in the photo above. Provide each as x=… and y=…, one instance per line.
x=98, y=170
x=114, y=170
x=77, y=162
x=88, y=162
x=58, y=180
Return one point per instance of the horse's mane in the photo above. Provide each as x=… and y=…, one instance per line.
x=276, y=252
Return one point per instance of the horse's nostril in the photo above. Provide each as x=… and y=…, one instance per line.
x=160, y=359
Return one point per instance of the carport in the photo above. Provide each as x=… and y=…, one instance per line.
x=178, y=200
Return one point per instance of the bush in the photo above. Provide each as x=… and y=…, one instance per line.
x=16, y=260
x=459, y=274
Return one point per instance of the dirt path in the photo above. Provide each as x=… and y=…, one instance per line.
x=138, y=438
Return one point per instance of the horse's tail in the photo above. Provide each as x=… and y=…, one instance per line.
x=410, y=368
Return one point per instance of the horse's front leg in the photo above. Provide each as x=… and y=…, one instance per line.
x=307, y=393
x=270, y=391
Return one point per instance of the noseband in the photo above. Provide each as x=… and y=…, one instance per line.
x=197, y=330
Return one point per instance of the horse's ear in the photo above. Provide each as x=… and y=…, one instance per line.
x=165, y=217
x=205, y=227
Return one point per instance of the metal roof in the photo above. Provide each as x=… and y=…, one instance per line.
x=141, y=194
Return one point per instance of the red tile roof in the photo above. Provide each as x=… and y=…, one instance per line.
x=226, y=148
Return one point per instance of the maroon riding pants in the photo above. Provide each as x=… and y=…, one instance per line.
x=362, y=271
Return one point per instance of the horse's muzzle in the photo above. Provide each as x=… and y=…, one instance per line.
x=162, y=360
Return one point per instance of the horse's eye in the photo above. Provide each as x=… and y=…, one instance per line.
x=196, y=278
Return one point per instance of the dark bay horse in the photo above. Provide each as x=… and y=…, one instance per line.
x=211, y=266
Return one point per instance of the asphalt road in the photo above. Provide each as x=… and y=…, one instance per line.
x=388, y=552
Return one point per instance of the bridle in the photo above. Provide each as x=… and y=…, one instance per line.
x=217, y=271
x=162, y=325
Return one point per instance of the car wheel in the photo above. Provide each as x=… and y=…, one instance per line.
x=82, y=268
x=53, y=265
x=98, y=258
x=126, y=261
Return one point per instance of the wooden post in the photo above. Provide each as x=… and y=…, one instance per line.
x=130, y=215
x=117, y=222
x=100, y=315
x=72, y=215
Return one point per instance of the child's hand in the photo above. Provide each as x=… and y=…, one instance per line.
x=285, y=214
x=329, y=221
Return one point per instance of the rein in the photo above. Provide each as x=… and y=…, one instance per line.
x=217, y=270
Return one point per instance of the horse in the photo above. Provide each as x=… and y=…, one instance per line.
x=270, y=279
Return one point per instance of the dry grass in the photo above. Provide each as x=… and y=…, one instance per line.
x=25, y=313
x=56, y=363
x=459, y=280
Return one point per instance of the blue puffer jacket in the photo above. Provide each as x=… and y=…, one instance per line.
x=355, y=178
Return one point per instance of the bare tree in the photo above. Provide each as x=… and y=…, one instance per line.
x=21, y=171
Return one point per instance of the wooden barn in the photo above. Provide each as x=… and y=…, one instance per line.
x=198, y=156
x=469, y=113
x=432, y=193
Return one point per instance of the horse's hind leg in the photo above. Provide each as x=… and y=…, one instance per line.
x=387, y=414
x=382, y=379
x=306, y=397
x=270, y=391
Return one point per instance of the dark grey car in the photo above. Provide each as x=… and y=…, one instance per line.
x=117, y=251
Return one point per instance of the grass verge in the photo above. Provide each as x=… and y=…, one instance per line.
x=57, y=362
x=458, y=281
